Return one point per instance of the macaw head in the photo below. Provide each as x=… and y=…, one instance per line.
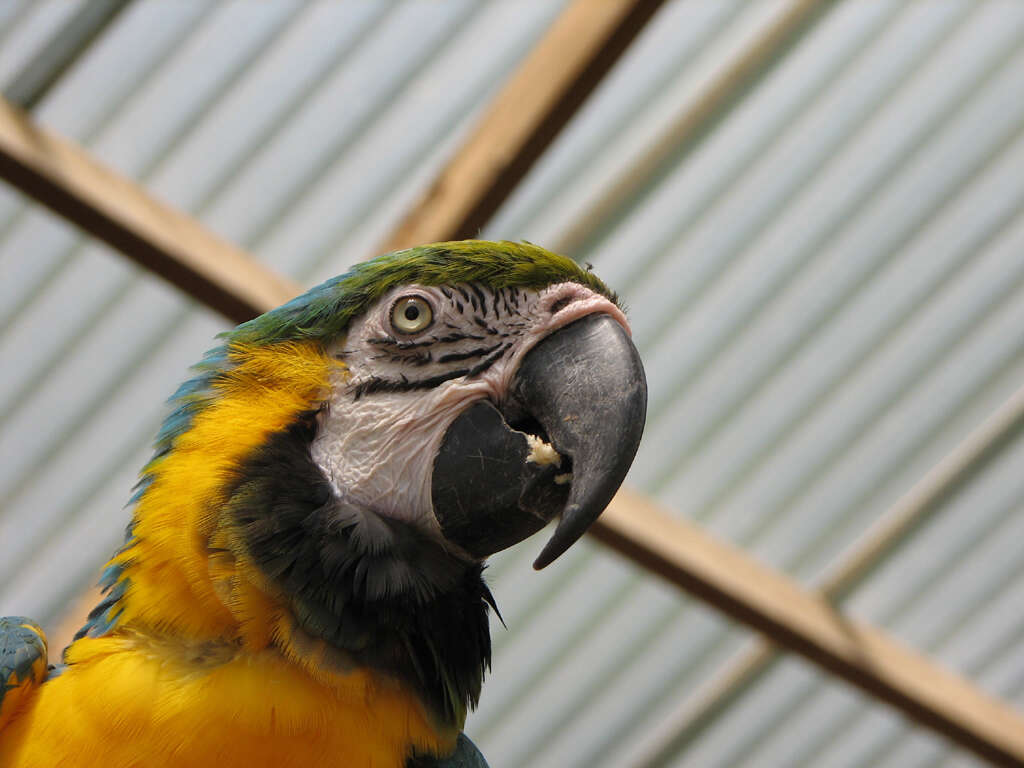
x=335, y=475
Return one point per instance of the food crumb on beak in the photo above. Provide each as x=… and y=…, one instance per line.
x=542, y=453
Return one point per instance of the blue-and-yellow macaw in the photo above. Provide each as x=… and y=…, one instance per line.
x=301, y=579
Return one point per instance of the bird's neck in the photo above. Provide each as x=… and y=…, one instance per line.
x=360, y=589
x=211, y=558
x=165, y=578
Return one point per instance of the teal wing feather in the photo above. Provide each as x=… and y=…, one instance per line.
x=466, y=755
x=22, y=663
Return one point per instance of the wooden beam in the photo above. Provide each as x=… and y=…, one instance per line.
x=548, y=88
x=694, y=121
x=804, y=622
x=63, y=177
x=846, y=573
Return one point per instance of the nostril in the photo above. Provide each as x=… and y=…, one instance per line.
x=561, y=304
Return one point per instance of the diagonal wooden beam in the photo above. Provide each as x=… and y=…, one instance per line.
x=804, y=622
x=694, y=121
x=108, y=206
x=847, y=572
x=550, y=85
x=66, y=179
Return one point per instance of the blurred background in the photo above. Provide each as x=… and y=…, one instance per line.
x=822, y=257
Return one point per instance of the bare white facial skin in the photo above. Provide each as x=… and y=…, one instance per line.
x=392, y=404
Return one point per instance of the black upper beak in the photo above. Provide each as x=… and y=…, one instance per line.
x=583, y=391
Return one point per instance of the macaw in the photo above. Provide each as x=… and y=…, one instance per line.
x=301, y=581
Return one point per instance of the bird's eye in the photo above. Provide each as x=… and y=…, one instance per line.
x=411, y=314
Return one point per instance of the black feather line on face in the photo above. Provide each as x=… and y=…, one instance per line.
x=391, y=341
x=376, y=384
x=385, y=594
x=468, y=355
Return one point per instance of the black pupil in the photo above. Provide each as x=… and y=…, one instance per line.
x=412, y=312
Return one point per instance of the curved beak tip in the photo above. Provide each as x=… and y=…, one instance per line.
x=559, y=542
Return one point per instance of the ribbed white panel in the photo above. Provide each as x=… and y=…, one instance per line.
x=827, y=290
x=25, y=28
x=254, y=118
x=825, y=293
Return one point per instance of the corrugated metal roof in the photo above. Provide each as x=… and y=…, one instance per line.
x=194, y=125
x=825, y=294
x=827, y=290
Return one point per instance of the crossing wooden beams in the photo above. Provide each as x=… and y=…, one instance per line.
x=806, y=623
x=847, y=572
x=120, y=212
x=539, y=99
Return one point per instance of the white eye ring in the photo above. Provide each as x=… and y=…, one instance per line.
x=411, y=314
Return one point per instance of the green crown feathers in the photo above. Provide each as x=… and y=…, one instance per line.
x=323, y=312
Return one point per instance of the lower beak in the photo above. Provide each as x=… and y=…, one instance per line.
x=560, y=446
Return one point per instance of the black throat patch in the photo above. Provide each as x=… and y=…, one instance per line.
x=381, y=592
